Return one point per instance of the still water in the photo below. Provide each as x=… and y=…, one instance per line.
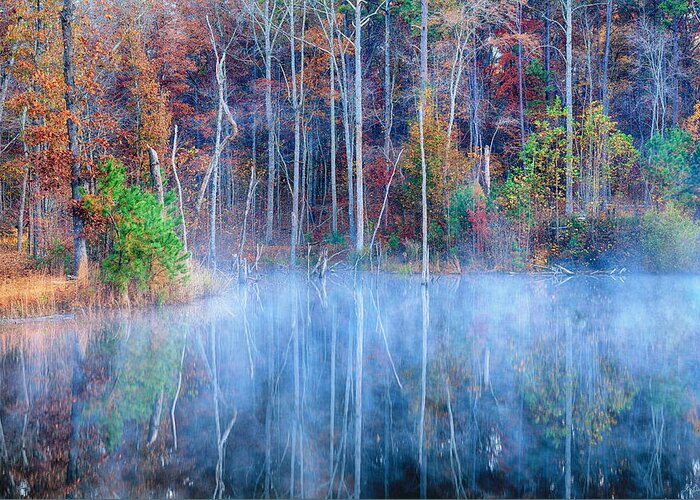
x=370, y=386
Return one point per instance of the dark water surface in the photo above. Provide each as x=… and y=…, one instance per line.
x=484, y=386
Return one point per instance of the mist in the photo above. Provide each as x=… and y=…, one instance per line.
x=364, y=386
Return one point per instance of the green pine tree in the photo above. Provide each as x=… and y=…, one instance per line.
x=144, y=249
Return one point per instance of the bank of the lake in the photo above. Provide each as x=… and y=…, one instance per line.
x=28, y=289
x=32, y=289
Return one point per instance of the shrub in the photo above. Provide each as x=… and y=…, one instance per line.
x=670, y=240
x=143, y=247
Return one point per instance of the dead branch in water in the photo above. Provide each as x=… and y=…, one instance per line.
x=559, y=270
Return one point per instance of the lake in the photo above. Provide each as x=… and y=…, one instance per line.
x=367, y=385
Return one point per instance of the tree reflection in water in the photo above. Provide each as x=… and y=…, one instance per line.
x=369, y=386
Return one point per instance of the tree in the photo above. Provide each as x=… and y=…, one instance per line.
x=567, y=7
x=360, y=218
x=653, y=47
x=668, y=163
x=265, y=19
x=220, y=140
x=605, y=95
x=144, y=249
x=7, y=64
x=545, y=164
x=77, y=183
x=327, y=18
x=425, y=265
x=297, y=98
x=606, y=158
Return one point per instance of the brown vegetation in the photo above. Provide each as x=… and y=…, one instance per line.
x=28, y=291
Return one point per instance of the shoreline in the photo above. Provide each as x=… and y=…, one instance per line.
x=68, y=299
x=30, y=293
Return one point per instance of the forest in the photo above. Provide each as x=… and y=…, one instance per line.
x=141, y=140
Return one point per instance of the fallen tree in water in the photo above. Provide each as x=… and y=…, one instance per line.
x=559, y=270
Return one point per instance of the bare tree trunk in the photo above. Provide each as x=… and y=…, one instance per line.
x=334, y=193
x=568, y=9
x=248, y=203
x=156, y=179
x=4, y=86
x=156, y=412
x=548, y=50
x=334, y=342
x=212, y=174
x=5, y=81
x=675, y=62
x=384, y=203
x=421, y=118
x=360, y=218
x=422, y=462
x=344, y=84
x=297, y=99
x=173, y=423
x=80, y=260
x=213, y=191
x=569, y=411
x=271, y=168
x=475, y=100
x=345, y=97
x=359, y=357
x=173, y=163
x=606, y=57
x=455, y=79
x=588, y=40
x=487, y=170
x=25, y=180
x=31, y=214
x=388, y=105
x=39, y=49
x=521, y=90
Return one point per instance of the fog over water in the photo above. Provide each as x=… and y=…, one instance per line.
x=370, y=386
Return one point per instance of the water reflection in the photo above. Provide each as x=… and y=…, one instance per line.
x=364, y=386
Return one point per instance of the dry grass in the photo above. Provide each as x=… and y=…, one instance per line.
x=35, y=294
x=26, y=291
x=203, y=282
